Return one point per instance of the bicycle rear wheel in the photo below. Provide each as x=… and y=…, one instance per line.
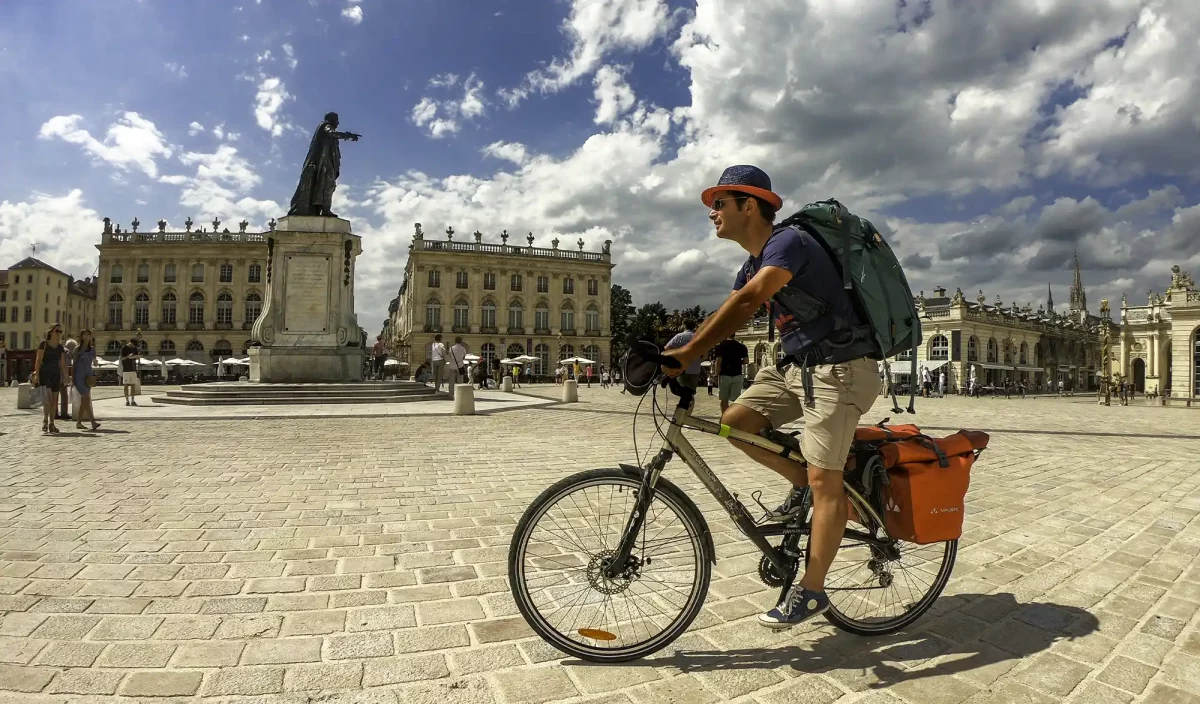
x=567, y=537
x=877, y=590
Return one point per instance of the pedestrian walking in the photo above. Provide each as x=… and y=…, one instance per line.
x=730, y=355
x=129, y=375
x=690, y=378
x=378, y=357
x=458, y=364
x=438, y=357
x=49, y=371
x=83, y=378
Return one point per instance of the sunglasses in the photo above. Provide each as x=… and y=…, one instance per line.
x=719, y=204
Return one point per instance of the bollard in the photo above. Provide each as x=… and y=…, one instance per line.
x=506, y=384
x=244, y=379
x=570, y=391
x=464, y=400
x=24, y=396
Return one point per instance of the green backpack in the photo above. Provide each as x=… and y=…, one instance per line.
x=873, y=276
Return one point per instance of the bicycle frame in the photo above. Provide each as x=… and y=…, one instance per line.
x=677, y=444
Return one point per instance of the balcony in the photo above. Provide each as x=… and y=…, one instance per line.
x=568, y=331
x=432, y=328
x=592, y=332
x=249, y=323
x=167, y=326
x=541, y=331
x=516, y=331
x=223, y=326
x=461, y=328
x=113, y=326
x=195, y=326
x=489, y=330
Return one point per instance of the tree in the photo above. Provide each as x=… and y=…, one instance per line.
x=650, y=322
x=622, y=312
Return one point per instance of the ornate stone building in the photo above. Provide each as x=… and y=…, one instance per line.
x=1160, y=342
x=504, y=299
x=34, y=296
x=193, y=294
x=997, y=342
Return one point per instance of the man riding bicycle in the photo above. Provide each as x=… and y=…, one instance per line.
x=828, y=374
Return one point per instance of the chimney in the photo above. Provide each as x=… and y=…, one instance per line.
x=939, y=292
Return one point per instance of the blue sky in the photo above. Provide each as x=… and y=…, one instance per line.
x=992, y=141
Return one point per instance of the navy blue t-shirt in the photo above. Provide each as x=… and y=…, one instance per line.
x=815, y=273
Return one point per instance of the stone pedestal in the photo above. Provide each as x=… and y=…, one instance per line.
x=464, y=400
x=570, y=391
x=506, y=384
x=308, y=330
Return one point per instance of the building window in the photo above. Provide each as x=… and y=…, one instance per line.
x=3, y=296
x=116, y=274
x=254, y=274
x=169, y=274
x=541, y=317
x=516, y=316
x=168, y=308
x=141, y=308
x=542, y=352
x=197, y=273
x=435, y=278
x=460, y=279
x=489, y=314
x=939, y=348
x=592, y=352
x=116, y=306
x=973, y=349
x=487, y=352
x=143, y=273
x=166, y=348
x=489, y=281
x=253, y=307
x=1024, y=353
x=29, y=295
x=113, y=347
x=543, y=284
x=514, y=350
x=196, y=309
x=226, y=274
x=593, y=287
x=45, y=315
x=3, y=315
x=461, y=313
x=514, y=283
x=567, y=317
x=1196, y=363
x=591, y=318
x=906, y=354
x=195, y=349
x=225, y=308
x=568, y=285
x=566, y=352
x=993, y=350
x=433, y=313
x=223, y=349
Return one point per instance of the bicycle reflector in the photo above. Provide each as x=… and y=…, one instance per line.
x=640, y=368
x=596, y=634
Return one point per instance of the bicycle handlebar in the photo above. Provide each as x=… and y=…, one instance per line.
x=649, y=352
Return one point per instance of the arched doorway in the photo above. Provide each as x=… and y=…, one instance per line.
x=1139, y=375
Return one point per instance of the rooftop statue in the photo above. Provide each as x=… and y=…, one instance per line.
x=322, y=166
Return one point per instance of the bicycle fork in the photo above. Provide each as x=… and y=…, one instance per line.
x=633, y=525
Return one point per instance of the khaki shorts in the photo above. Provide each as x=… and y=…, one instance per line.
x=841, y=394
x=729, y=387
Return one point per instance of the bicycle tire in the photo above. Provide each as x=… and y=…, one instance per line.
x=918, y=609
x=670, y=495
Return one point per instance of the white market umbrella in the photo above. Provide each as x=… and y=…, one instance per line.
x=512, y=361
x=574, y=360
x=395, y=363
x=471, y=358
x=706, y=363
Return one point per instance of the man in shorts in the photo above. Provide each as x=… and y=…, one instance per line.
x=731, y=359
x=129, y=377
x=827, y=375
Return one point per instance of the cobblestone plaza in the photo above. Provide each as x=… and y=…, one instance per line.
x=363, y=559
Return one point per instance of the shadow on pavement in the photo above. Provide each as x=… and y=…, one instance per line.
x=975, y=630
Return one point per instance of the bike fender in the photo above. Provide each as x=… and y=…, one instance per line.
x=667, y=485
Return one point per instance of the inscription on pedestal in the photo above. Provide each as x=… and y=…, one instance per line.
x=307, y=293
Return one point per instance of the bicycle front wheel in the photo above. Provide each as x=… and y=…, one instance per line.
x=566, y=540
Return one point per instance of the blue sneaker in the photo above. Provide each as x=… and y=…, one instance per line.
x=798, y=605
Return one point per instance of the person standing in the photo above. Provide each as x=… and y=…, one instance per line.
x=942, y=384
x=731, y=357
x=458, y=363
x=378, y=356
x=129, y=376
x=64, y=394
x=438, y=357
x=690, y=377
x=83, y=377
x=49, y=371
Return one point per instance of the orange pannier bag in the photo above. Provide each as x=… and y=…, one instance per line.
x=924, y=497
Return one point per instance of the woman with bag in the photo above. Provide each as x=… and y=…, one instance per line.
x=49, y=371
x=84, y=378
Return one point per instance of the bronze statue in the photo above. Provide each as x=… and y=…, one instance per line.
x=322, y=166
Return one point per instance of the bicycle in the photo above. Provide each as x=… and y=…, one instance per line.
x=582, y=583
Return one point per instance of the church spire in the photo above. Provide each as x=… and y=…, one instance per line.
x=1049, y=299
x=1078, y=299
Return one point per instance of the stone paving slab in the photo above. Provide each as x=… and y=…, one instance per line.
x=363, y=560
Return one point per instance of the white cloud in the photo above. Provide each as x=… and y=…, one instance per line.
x=179, y=70
x=268, y=101
x=195, y=128
x=443, y=80
x=289, y=56
x=221, y=187
x=65, y=229
x=130, y=142
x=613, y=95
x=353, y=13
x=443, y=117
x=596, y=29
x=509, y=151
